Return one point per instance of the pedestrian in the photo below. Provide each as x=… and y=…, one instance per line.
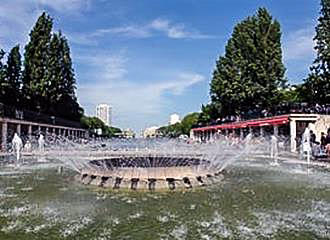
x=327, y=143
x=323, y=140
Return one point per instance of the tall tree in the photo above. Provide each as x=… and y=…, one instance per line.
x=12, y=88
x=2, y=76
x=35, y=85
x=67, y=105
x=54, y=73
x=318, y=81
x=251, y=71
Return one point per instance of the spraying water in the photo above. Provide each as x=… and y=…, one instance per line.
x=306, y=145
x=274, y=149
x=41, y=143
x=17, y=147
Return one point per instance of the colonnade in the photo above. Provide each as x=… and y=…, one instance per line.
x=8, y=126
x=213, y=134
x=293, y=126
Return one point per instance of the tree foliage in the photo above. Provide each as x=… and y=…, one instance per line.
x=10, y=77
x=318, y=81
x=49, y=83
x=2, y=75
x=251, y=71
x=209, y=113
x=12, y=88
x=62, y=83
x=35, y=84
x=93, y=123
x=182, y=128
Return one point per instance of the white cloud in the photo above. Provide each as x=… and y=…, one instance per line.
x=128, y=31
x=163, y=26
x=299, y=44
x=175, y=30
x=17, y=17
x=135, y=103
x=81, y=39
x=66, y=5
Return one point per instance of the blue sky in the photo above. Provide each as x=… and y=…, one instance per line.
x=151, y=58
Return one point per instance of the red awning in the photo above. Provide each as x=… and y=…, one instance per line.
x=271, y=121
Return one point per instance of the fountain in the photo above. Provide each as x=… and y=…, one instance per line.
x=274, y=149
x=241, y=197
x=17, y=146
x=143, y=164
x=150, y=172
x=41, y=143
x=306, y=144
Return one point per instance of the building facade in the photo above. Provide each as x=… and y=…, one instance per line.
x=103, y=112
x=174, y=118
x=150, y=132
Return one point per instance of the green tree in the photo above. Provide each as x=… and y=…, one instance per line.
x=67, y=85
x=62, y=83
x=188, y=122
x=12, y=80
x=318, y=81
x=177, y=129
x=209, y=112
x=251, y=71
x=54, y=73
x=2, y=76
x=93, y=123
x=35, y=84
x=293, y=94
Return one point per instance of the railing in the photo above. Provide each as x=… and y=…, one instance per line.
x=26, y=115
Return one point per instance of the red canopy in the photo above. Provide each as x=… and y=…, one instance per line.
x=271, y=121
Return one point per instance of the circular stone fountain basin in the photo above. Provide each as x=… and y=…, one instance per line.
x=149, y=173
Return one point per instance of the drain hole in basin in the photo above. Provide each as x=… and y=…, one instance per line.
x=103, y=180
x=199, y=179
x=152, y=184
x=134, y=183
x=84, y=176
x=117, y=183
x=171, y=183
x=187, y=182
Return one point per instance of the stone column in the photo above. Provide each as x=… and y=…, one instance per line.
x=4, y=136
x=18, y=129
x=293, y=135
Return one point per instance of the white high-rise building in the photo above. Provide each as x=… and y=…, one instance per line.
x=174, y=118
x=103, y=112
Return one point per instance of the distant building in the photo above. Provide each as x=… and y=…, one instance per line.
x=174, y=118
x=150, y=132
x=128, y=133
x=103, y=112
